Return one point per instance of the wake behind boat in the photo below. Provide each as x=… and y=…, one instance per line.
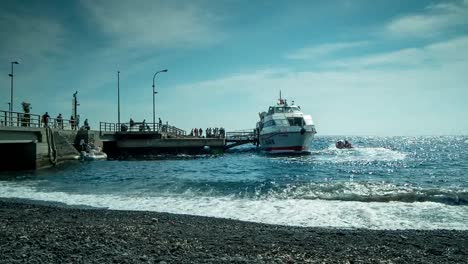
x=285, y=129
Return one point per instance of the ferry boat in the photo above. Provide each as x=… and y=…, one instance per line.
x=285, y=129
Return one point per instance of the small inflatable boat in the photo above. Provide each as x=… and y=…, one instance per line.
x=343, y=144
x=93, y=155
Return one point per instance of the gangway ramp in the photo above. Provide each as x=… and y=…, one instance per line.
x=240, y=137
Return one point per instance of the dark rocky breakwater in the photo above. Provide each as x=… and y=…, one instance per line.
x=34, y=233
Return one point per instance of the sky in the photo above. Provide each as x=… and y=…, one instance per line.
x=359, y=67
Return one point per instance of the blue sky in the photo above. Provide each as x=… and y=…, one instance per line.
x=358, y=67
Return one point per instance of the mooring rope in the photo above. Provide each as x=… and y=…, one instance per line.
x=51, y=146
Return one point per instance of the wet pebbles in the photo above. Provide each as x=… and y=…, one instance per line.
x=32, y=233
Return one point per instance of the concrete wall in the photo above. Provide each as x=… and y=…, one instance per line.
x=89, y=136
x=55, y=149
x=170, y=143
x=17, y=156
x=134, y=144
x=64, y=145
x=24, y=148
x=29, y=134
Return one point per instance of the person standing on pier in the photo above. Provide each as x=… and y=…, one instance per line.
x=160, y=123
x=60, y=121
x=200, y=132
x=221, y=132
x=86, y=124
x=45, y=119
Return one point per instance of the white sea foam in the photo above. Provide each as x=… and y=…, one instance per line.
x=371, y=192
x=358, y=154
x=295, y=212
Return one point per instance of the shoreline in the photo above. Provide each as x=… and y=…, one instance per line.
x=34, y=232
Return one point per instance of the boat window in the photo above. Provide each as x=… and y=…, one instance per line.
x=296, y=121
x=269, y=123
x=281, y=122
x=279, y=110
x=270, y=110
x=295, y=109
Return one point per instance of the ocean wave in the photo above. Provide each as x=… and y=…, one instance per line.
x=332, y=191
x=293, y=212
x=368, y=192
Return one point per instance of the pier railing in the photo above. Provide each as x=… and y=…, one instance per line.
x=107, y=127
x=140, y=127
x=18, y=119
x=61, y=123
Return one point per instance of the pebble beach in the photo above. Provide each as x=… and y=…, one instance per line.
x=31, y=232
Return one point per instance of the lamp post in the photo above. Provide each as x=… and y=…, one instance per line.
x=154, y=92
x=6, y=115
x=118, y=99
x=11, y=93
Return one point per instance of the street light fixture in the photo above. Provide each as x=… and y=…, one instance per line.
x=11, y=92
x=154, y=92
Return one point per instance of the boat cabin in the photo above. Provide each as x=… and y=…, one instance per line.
x=284, y=109
x=289, y=121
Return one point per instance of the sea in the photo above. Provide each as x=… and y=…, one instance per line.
x=382, y=183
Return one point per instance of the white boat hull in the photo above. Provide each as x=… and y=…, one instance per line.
x=286, y=142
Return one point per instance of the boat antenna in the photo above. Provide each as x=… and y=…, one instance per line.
x=280, y=94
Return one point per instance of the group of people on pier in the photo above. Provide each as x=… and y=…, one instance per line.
x=58, y=122
x=209, y=132
x=143, y=126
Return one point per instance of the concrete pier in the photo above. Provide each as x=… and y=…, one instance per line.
x=140, y=139
x=120, y=144
x=27, y=148
x=31, y=148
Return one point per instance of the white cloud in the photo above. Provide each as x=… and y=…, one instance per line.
x=29, y=37
x=37, y=43
x=313, y=52
x=154, y=23
x=435, y=54
x=357, y=100
x=434, y=20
